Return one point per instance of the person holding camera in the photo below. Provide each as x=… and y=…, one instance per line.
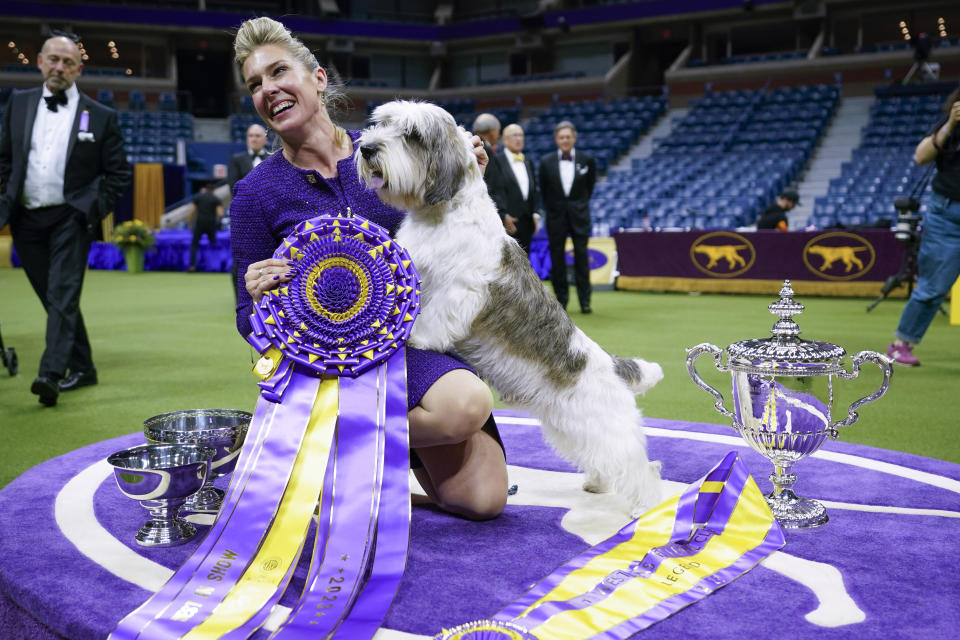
x=938, y=260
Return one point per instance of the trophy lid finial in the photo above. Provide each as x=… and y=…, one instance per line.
x=785, y=308
x=785, y=350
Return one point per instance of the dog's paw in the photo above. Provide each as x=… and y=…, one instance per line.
x=595, y=484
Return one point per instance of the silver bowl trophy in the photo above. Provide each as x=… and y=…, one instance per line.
x=783, y=399
x=222, y=429
x=161, y=476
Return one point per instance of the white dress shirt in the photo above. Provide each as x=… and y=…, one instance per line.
x=255, y=157
x=47, y=160
x=520, y=171
x=567, y=168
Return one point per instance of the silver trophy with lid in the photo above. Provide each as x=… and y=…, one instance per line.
x=783, y=400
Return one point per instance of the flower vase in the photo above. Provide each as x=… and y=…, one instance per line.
x=134, y=259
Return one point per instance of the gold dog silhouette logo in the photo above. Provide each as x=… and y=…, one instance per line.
x=839, y=255
x=722, y=254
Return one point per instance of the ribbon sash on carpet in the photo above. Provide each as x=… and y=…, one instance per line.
x=669, y=558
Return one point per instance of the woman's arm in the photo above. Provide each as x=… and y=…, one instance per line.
x=250, y=242
x=931, y=146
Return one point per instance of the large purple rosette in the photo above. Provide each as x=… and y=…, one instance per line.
x=349, y=306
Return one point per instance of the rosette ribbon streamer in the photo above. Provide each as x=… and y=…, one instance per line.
x=674, y=555
x=330, y=429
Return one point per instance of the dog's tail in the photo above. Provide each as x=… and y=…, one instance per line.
x=639, y=375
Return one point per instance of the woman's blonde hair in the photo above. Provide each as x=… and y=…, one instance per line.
x=257, y=32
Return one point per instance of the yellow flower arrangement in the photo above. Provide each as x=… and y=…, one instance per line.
x=133, y=233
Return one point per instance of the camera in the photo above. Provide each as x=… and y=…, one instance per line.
x=908, y=220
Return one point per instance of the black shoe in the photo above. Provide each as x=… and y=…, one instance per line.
x=78, y=379
x=584, y=309
x=47, y=389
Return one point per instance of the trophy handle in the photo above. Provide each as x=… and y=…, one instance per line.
x=693, y=354
x=886, y=367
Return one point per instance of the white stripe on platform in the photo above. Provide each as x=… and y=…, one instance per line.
x=78, y=521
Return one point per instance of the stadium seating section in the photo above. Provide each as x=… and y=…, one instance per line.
x=151, y=136
x=881, y=168
x=722, y=164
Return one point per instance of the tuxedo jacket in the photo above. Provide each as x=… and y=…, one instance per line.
x=96, y=172
x=572, y=210
x=514, y=204
x=494, y=178
x=240, y=165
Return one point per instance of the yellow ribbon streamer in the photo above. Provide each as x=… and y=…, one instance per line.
x=284, y=541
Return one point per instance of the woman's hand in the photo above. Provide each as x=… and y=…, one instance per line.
x=478, y=151
x=265, y=275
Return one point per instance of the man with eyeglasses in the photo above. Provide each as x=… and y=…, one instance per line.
x=62, y=168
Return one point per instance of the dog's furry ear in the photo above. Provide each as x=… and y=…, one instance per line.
x=445, y=173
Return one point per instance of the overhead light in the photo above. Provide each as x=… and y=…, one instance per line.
x=111, y=44
x=114, y=55
x=12, y=44
x=25, y=61
x=902, y=23
x=85, y=57
x=129, y=72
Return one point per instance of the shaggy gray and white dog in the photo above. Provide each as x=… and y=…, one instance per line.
x=481, y=298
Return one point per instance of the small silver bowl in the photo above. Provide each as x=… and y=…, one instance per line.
x=222, y=429
x=161, y=477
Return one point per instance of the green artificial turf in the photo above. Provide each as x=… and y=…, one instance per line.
x=166, y=341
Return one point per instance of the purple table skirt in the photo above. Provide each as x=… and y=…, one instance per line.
x=170, y=253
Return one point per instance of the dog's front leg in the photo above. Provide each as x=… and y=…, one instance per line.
x=428, y=333
x=444, y=320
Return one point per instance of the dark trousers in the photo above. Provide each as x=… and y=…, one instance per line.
x=557, y=232
x=53, y=244
x=209, y=230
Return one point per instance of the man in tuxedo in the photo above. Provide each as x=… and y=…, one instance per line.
x=62, y=168
x=243, y=163
x=240, y=165
x=487, y=127
x=519, y=187
x=567, y=178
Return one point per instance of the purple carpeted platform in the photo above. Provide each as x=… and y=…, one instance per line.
x=882, y=567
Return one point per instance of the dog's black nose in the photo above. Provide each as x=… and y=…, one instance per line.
x=368, y=151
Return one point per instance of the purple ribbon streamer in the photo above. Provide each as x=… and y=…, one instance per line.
x=340, y=560
x=238, y=542
x=258, y=431
x=393, y=522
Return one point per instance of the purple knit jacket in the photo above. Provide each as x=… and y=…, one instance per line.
x=273, y=198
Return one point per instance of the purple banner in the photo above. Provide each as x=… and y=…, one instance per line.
x=869, y=255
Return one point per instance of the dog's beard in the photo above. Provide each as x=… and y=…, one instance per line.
x=397, y=186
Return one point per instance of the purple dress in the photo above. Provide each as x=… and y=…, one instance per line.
x=273, y=198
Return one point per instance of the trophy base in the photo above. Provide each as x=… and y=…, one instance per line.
x=207, y=500
x=794, y=512
x=165, y=533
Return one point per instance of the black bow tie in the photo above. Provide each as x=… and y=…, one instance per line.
x=566, y=156
x=254, y=156
x=57, y=98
